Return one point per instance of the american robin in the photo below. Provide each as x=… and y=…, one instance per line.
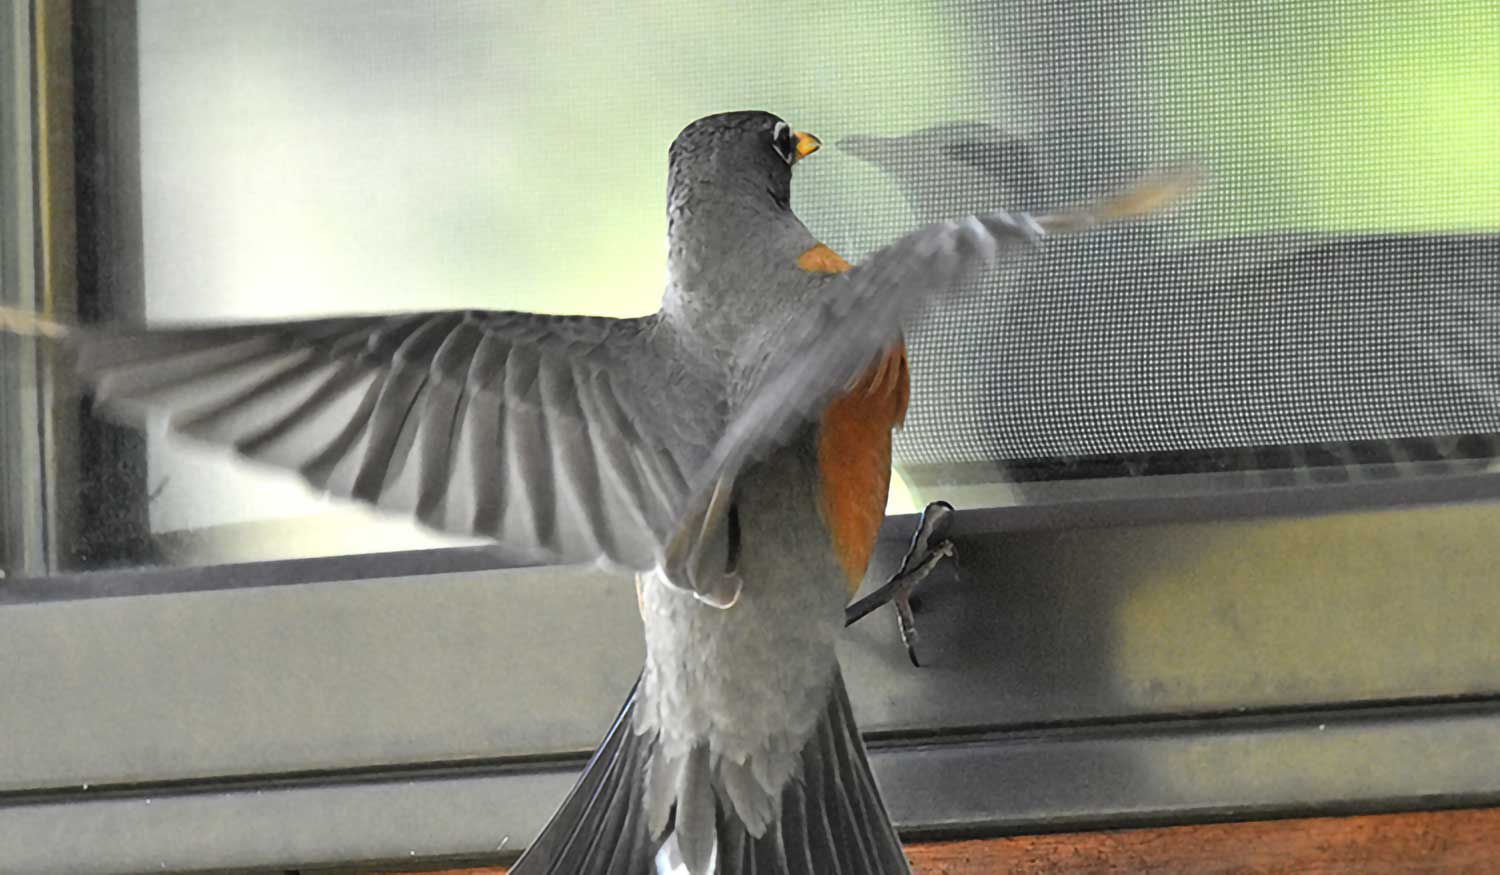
x=733, y=449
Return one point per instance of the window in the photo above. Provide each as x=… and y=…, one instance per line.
x=1326, y=295
x=1316, y=332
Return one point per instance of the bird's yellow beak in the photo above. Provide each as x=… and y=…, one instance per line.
x=805, y=144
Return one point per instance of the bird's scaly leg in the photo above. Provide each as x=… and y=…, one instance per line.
x=929, y=546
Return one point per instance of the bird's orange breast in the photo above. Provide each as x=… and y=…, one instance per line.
x=854, y=444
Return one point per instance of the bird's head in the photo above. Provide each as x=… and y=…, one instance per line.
x=740, y=155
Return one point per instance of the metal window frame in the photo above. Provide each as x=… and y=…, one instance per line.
x=23, y=546
x=72, y=250
x=485, y=815
x=1067, y=506
x=946, y=774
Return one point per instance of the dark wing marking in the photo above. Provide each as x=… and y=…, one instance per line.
x=559, y=436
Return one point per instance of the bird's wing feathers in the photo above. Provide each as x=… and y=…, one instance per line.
x=556, y=435
x=565, y=438
x=860, y=313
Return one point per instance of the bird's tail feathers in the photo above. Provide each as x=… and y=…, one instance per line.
x=830, y=819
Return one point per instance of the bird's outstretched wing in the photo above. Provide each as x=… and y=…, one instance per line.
x=861, y=312
x=565, y=438
x=858, y=315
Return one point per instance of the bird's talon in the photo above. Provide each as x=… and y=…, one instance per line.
x=929, y=546
x=908, y=627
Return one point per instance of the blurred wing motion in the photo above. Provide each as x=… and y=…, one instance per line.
x=548, y=433
x=860, y=313
x=956, y=168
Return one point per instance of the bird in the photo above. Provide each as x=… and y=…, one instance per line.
x=732, y=450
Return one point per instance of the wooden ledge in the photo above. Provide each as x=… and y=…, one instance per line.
x=1465, y=842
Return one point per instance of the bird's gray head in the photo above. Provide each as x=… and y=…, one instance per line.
x=729, y=217
x=745, y=157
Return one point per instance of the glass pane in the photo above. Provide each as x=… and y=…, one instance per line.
x=369, y=155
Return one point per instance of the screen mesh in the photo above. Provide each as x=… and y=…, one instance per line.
x=1115, y=346
x=1337, y=284
x=1334, y=283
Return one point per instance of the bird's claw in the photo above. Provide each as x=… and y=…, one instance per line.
x=929, y=546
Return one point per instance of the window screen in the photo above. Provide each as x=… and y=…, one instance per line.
x=1331, y=291
x=1331, y=303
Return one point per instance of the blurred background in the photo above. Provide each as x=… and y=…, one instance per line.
x=1331, y=291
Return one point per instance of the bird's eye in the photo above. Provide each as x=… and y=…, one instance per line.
x=781, y=141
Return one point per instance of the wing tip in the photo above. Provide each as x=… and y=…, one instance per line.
x=1147, y=195
x=24, y=323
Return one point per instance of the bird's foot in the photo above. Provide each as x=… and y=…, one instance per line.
x=929, y=546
